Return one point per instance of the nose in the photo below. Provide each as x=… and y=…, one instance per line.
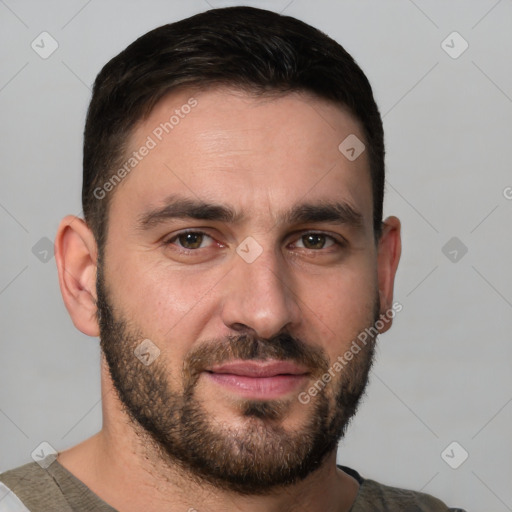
x=259, y=296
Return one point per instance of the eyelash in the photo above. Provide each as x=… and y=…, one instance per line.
x=338, y=242
x=181, y=233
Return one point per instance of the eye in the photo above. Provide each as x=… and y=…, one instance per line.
x=191, y=240
x=315, y=241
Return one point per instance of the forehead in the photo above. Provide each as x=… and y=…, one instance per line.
x=255, y=153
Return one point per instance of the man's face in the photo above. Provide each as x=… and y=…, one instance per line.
x=242, y=246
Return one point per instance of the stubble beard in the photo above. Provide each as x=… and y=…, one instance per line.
x=254, y=459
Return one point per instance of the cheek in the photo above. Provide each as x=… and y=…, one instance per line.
x=340, y=307
x=162, y=300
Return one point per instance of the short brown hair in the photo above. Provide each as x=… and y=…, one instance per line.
x=256, y=50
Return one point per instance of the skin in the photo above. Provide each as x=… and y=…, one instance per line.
x=259, y=157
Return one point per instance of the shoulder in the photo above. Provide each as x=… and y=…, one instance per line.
x=375, y=496
x=34, y=487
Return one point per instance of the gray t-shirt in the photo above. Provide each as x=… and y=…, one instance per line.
x=55, y=489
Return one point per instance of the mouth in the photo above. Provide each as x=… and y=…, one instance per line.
x=259, y=380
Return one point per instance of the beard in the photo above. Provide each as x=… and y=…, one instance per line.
x=255, y=458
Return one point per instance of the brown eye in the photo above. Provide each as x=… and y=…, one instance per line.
x=190, y=240
x=315, y=241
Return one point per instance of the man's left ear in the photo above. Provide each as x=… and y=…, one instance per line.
x=389, y=250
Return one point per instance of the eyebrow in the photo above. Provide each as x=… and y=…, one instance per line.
x=181, y=208
x=338, y=212
x=177, y=207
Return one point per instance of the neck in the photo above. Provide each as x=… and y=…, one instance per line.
x=124, y=470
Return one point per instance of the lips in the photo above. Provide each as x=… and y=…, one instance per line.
x=259, y=368
x=259, y=379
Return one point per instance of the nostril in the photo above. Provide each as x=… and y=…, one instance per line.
x=242, y=328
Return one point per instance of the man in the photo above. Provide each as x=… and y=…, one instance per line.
x=234, y=262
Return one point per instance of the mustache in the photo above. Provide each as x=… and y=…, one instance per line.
x=283, y=347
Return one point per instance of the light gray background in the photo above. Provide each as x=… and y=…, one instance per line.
x=443, y=371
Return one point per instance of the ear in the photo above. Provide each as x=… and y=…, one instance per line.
x=389, y=250
x=76, y=255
